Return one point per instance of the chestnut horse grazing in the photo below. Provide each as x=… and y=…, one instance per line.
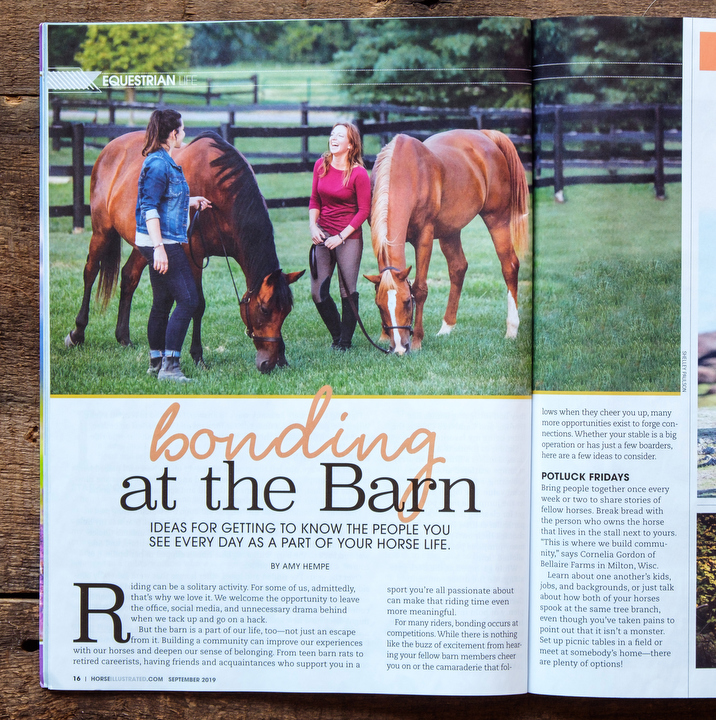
x=423, y=191
x=237, y=226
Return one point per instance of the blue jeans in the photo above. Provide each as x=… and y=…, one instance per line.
x=166, y=332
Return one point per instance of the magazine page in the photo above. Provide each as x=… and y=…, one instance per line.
x=297, y=510
x=699, y=220
x=612, y=582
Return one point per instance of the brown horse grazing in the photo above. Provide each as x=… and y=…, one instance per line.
x=237, y=226
x=423, y=191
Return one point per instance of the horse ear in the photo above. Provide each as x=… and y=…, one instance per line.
x=292, y=277
x=404, y=273
x=272, y=278
x=375, y=279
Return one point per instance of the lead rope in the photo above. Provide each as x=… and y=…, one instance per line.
x=194, y=223
x=353, y=306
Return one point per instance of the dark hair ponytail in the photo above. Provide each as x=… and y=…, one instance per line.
x=162, y=124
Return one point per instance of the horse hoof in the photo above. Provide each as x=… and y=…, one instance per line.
x=70, y=342
x=445, y=329
x=201, y=364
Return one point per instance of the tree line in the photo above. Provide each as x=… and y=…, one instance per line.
x=456, y=62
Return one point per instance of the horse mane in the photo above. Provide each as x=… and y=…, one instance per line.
x=249, y=214
x=380, y=188
x=380, y=181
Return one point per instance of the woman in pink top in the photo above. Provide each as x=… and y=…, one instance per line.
x=340, y=204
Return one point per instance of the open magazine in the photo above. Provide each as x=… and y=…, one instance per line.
x=516, y=494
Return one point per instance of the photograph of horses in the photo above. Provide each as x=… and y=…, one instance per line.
x=448, y=149
x=239, y=227
x=424, y=190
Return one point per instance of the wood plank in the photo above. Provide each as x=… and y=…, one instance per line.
x=22, y=697
x=19, y=345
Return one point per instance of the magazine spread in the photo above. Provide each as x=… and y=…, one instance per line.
x=494, y=490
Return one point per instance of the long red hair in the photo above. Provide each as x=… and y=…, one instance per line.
x=355, y=152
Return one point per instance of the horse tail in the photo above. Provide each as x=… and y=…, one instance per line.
x=519, y=203
x=109, y=262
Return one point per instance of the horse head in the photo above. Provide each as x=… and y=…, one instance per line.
x=394, y=298
x=263, y=310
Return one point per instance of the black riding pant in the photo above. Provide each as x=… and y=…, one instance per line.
x=164, y=331
x=348, y=256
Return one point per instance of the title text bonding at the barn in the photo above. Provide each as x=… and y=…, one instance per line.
x=345, y=488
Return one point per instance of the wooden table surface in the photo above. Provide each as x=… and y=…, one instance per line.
x=20, y=692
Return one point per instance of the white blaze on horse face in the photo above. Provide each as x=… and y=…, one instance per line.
x=513, y=318
x=392, y=303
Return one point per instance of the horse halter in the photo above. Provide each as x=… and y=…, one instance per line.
x=409, y=328
x=244, y=309
x=245, y=312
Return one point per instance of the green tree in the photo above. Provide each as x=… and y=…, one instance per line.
x=706, y=590
x=63, y=42
x=313, y=41
x=135, y=48
x=705, y=558
x=306, y=41
x=581, y=60
x=220, y=44
x=440, y=62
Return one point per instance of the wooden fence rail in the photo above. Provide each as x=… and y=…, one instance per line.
x=646, y=138
x=248, y=86
x=423, y=122
x=572, y=144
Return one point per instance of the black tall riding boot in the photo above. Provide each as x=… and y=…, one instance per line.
x=329, y=314
x=348, y=321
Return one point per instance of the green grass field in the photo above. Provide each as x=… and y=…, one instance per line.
x=608, y=290
x=607, y=294
x=475, y=359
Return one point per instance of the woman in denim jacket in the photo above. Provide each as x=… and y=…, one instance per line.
x=162, y=216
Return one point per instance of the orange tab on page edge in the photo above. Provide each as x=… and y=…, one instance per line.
x=707, y=51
